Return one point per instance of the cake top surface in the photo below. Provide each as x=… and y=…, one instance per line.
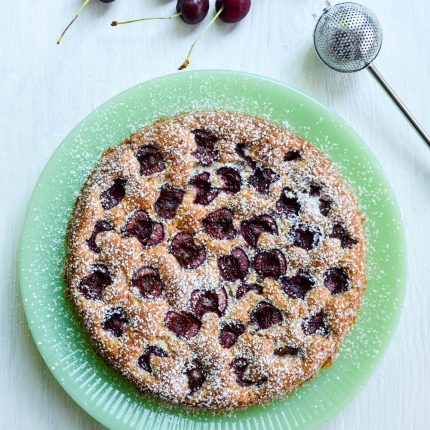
x=216, y=259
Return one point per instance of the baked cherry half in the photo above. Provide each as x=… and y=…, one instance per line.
x=346, y=241
x=93, y=285
x=205, y=193
x=325, y=207
x=144, y=361
x=316, y=324
x=298, y=285
x=183, y=324
x=113, y=195
x=168, y=201
x=245, y=288
x=196, y=377
x=288, y=204
x=234, y=266
x=286, y=350
x=219, y=224
x=240, y=151
x=264, y=315
x=239, y=366
x=232, y=181
x=230, y=333
x=262, y=179
x=305, y=237
x=292, y=155
x=252, y=229
x=336, y=280
x=202, y=302
x=144, y=229
x=114, y=321
x=205, y=151
x=100, y=227
x=150, y=159
x=270, y=264
x=188, y=253
x=314, y=190
x=148, y=282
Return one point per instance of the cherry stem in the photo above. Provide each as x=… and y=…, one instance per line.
x=185, y=64
x=73, y=20
x=115, y=23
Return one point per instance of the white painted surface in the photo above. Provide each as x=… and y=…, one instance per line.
x=45, y=90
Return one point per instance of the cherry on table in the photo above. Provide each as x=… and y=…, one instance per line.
x=233, y=10
x=228, y=11
x=192, y=11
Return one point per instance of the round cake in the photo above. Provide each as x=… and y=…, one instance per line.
x=216, y=260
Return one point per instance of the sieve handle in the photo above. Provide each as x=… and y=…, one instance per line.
x=399, y=103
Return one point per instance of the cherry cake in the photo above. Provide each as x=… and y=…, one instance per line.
x=216, y=259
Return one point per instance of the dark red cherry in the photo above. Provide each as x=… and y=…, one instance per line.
x=196, y=377
x=234, y=10
x=314, y=190
x=239, y=366
x=316, y=324
x=204, y=191
x=168, y=201
x=240, y=151
x=251, y=229
x=325, y=207
x=150, y=160
x=219, y=224
x=147, y=280
x=192, y=11
x=336, y=280
x=286, y=350
x=230, y=333
x=205, y=141
x=93, y=285
x=144, y=361
x=270, y=264
x=148, y=232
x=297, y=286
x=264, y=315
x=183, y=324
x=244, y=288
x=305, y=238
x=288, y=204
x=234, y=266
x=114, y=321
x=100, y=227
x=187, y=252
x=232, y=181
x=292, y=155
x=262, y=179
x=202, y=302
x=340, y=233
x=113, y=195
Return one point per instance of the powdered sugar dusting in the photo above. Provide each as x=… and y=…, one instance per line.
x=279, y=178
x=52, y=224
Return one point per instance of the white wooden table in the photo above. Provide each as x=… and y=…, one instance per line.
x=45, y=90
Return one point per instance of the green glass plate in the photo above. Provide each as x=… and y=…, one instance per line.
x=64, y=346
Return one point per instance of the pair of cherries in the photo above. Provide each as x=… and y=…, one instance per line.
x=191, y=12
x=195, y=11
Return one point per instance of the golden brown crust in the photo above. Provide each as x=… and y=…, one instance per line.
x=265, y=375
